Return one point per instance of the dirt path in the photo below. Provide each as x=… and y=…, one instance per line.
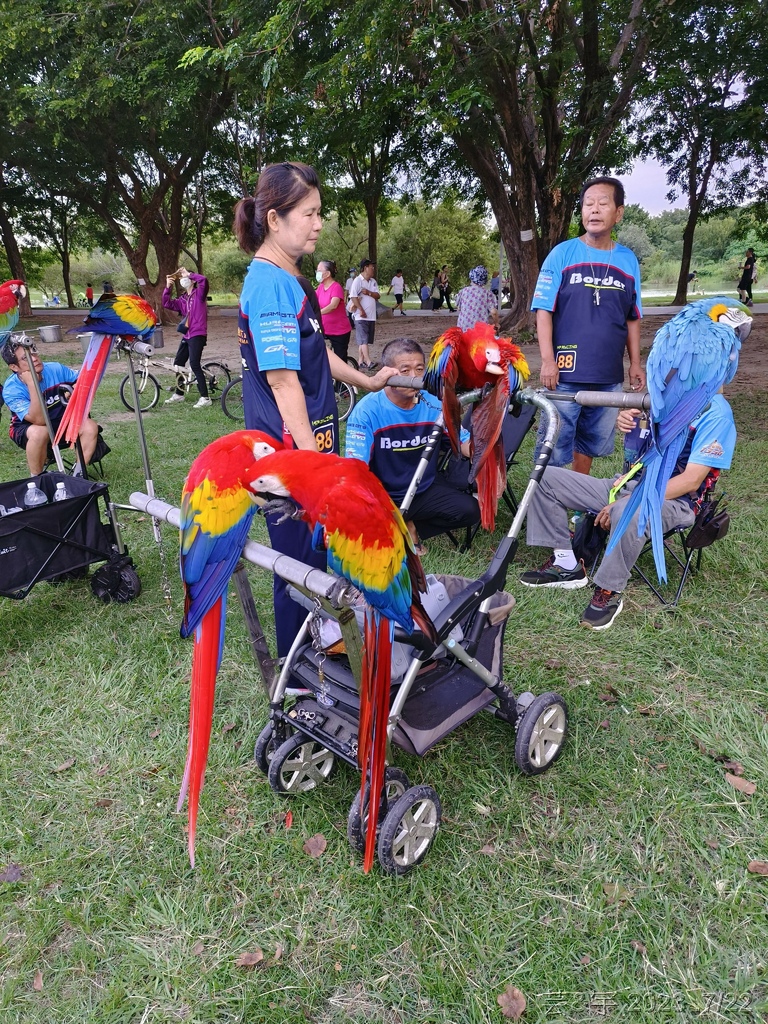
x=222, y=342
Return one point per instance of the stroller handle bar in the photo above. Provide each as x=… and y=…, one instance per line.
x=612, y=399
x=313, y=580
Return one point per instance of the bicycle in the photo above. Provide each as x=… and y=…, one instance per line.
x=217, y=376
x=232, y=399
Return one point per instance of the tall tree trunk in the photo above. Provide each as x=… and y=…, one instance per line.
x=697, y=192
x=66, y=261
x=15, y=262
x=371, y=212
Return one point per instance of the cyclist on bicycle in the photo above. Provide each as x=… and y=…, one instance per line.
x=192, y=304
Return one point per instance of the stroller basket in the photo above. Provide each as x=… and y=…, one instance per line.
x=47, y=541
x=444, y=695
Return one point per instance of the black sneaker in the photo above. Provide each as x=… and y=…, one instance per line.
x=602, y=610
x=551, y=575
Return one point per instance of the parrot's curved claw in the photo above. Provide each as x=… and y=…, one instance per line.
x=340, y=592
x=286, y=508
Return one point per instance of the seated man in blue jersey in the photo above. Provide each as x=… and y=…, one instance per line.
x=28, y=429
x=708, y=450
x=389, y=431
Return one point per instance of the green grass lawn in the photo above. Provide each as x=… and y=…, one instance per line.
x=614, y=886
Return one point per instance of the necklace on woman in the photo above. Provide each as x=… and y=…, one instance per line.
x=596, y=286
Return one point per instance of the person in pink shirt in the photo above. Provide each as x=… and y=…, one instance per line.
x=330, y=297
x=191, y=304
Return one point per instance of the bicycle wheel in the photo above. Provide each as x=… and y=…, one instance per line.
x=232, y=400
x=217, y=376
x=345, y=398
x=351, y=361
x=148, y=387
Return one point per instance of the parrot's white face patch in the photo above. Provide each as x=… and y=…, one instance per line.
x=740, y=322
x=269, y=484
x=492, y=357
x=261, y=448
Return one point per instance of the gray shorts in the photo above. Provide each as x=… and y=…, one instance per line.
x=365, y=331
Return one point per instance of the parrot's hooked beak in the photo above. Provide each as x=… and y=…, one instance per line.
x=19, y=289
x=740, y=322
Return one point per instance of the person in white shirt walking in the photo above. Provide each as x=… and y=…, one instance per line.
x=398, y=287
x=363, y=296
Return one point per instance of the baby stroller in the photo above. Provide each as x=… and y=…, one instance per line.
x=435, y=689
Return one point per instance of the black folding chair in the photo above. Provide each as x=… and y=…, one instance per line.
x=711, y=524
x=518, y=421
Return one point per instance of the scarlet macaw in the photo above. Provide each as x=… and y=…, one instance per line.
x=368, y=543
x=217, y=507
x=693, y=355
x=127, y=315
x=9, y=306
x=471, y=359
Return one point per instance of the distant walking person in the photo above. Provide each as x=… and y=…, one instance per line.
x=363, y=296
x=747, y=273
x=445, y=287
x=89, y=294
x=398, y=287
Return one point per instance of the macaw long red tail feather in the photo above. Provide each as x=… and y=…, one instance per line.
x=491, y=480
x=205, y=662
x=452, y=417
x=88, y=380
x=374, y=717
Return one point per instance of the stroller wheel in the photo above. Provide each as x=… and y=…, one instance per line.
x=299, y=764
x=395, y=784
x=265, y=748
x=408, y=830
x=541, y=733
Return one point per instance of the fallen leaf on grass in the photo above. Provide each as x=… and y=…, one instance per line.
x=734, y=767
x=37, y=984
x=758, y=867
x=278, y=952
x=315, y=846
x=288, y=819
x=586, y=959
x=198, y=948
x=102, y=771
x=644, y=710
x=104, y=802
x=605, y=724
x=638, y=947
x=228, y=727
x=12, y=873
x=713, y=844
x=488, y=850
x=512, y=1003
x=63, y=767
x=743, y=785
x=553, y=663
x=608, y=698
x=249, y=959
x=482, y=809
x=154, y=734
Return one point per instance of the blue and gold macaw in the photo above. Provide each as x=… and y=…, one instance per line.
x=368, y=543
x=692, y=357
x=126, y=315
x=217, y=507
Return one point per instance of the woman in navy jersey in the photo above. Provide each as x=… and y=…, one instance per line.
x=288, y=371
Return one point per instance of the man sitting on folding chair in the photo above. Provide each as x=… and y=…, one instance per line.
x=389, y=431
x=708, y=450
x=28, y=428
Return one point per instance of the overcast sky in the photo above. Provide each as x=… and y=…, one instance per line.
x=647, y=186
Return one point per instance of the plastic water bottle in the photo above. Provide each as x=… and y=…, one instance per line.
x=34, y=495
x=60, y=494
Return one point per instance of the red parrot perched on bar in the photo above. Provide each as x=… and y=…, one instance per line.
x=126, y=315
x=217, y=507
x=9, y=306
x=368, y=543
x=464, y=360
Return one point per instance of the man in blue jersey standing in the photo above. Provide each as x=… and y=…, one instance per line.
x=587, y=303
x=389, y=430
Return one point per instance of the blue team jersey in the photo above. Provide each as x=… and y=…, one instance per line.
x=278, y=330
x=392, y=440
x=16, y=393
x=591, y=293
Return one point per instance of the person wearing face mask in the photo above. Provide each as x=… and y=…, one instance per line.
x=330, y=298
x=192, y=304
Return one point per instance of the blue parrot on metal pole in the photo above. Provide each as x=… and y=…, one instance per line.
x=692, y=357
